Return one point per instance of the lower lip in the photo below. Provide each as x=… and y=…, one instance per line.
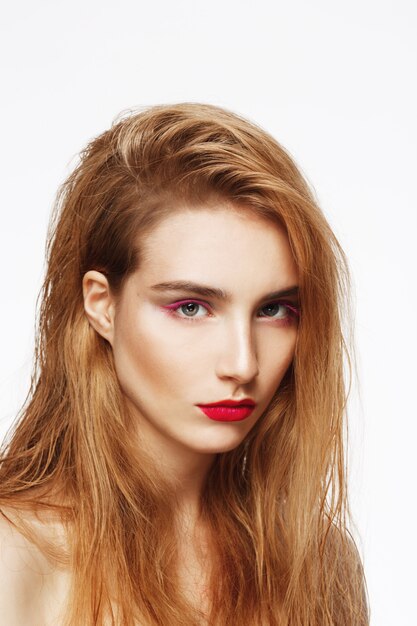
x=227, y=413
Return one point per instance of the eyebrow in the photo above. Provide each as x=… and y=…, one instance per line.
x=215, y=292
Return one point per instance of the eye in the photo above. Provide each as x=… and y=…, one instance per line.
x=188, y=310
x=279, y=310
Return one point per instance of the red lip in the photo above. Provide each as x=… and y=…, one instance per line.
x=228, y=410
x=244, y=402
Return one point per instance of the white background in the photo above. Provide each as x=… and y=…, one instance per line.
x=335, y=84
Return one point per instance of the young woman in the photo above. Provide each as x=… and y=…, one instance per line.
x=179, y=460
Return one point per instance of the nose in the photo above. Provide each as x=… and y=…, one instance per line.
x=238, y=358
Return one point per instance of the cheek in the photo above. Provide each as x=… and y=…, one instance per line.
x=138, y=358
x=146, y=355
x=277, y=357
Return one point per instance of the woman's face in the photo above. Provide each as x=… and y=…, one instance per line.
x=177, y=347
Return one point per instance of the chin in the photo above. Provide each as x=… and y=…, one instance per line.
x=217, y=446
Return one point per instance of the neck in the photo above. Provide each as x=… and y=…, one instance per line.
x=187, y=473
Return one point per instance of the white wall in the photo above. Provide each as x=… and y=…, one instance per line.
x=335, y=83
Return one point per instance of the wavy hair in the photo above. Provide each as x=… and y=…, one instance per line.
x=284, y=555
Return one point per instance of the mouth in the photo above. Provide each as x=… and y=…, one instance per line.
x=228, y=410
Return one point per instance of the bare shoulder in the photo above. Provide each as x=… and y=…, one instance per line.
x=20, y=580
x=27, y=579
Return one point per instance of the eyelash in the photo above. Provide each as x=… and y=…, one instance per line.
x=293, y=311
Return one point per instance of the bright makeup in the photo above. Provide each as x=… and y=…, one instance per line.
x=227, y=338
x=228, y=410
x=288, y=312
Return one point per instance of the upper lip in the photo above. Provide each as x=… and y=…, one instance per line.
x=243, y=402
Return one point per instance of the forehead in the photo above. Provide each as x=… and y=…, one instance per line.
x=222, y=246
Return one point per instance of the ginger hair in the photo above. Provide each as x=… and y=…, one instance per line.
x=283, y=554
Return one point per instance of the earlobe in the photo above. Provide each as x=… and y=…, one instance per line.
x=98, y=303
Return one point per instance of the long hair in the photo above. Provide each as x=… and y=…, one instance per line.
x=282, y=553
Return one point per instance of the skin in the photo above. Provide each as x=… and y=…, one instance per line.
x=167, y=365
x=33, y=591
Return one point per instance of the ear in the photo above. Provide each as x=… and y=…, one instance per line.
x=99, y=304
